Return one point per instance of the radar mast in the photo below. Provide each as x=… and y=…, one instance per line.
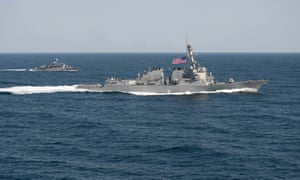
x=191, y=57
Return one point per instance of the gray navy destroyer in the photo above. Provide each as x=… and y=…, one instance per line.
x=192, y=79
x=55, y=66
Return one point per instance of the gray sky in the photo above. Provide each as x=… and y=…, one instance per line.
x=149, y=26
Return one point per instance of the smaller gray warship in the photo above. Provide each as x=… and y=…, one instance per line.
x=55, y=66
x=191, y=79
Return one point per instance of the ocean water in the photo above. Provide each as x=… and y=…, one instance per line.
x=51, y=131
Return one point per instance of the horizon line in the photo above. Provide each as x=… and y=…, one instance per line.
x=219, y=52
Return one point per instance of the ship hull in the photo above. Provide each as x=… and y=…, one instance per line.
x=245, y=86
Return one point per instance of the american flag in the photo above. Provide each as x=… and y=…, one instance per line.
x=181, y=60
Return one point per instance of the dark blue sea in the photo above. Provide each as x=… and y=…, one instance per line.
x=46, y=134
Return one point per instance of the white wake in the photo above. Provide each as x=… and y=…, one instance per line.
x=13, y=69
x=42, y=89
x=78, y=88
x=249, y=90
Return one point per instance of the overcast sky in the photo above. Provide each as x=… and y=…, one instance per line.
x=149, y=25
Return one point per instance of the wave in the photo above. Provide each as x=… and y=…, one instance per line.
x=249, y=90
x=13, y=70
x=21, y=90
x=179, y=149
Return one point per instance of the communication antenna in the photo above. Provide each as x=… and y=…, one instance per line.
x=186, y=40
